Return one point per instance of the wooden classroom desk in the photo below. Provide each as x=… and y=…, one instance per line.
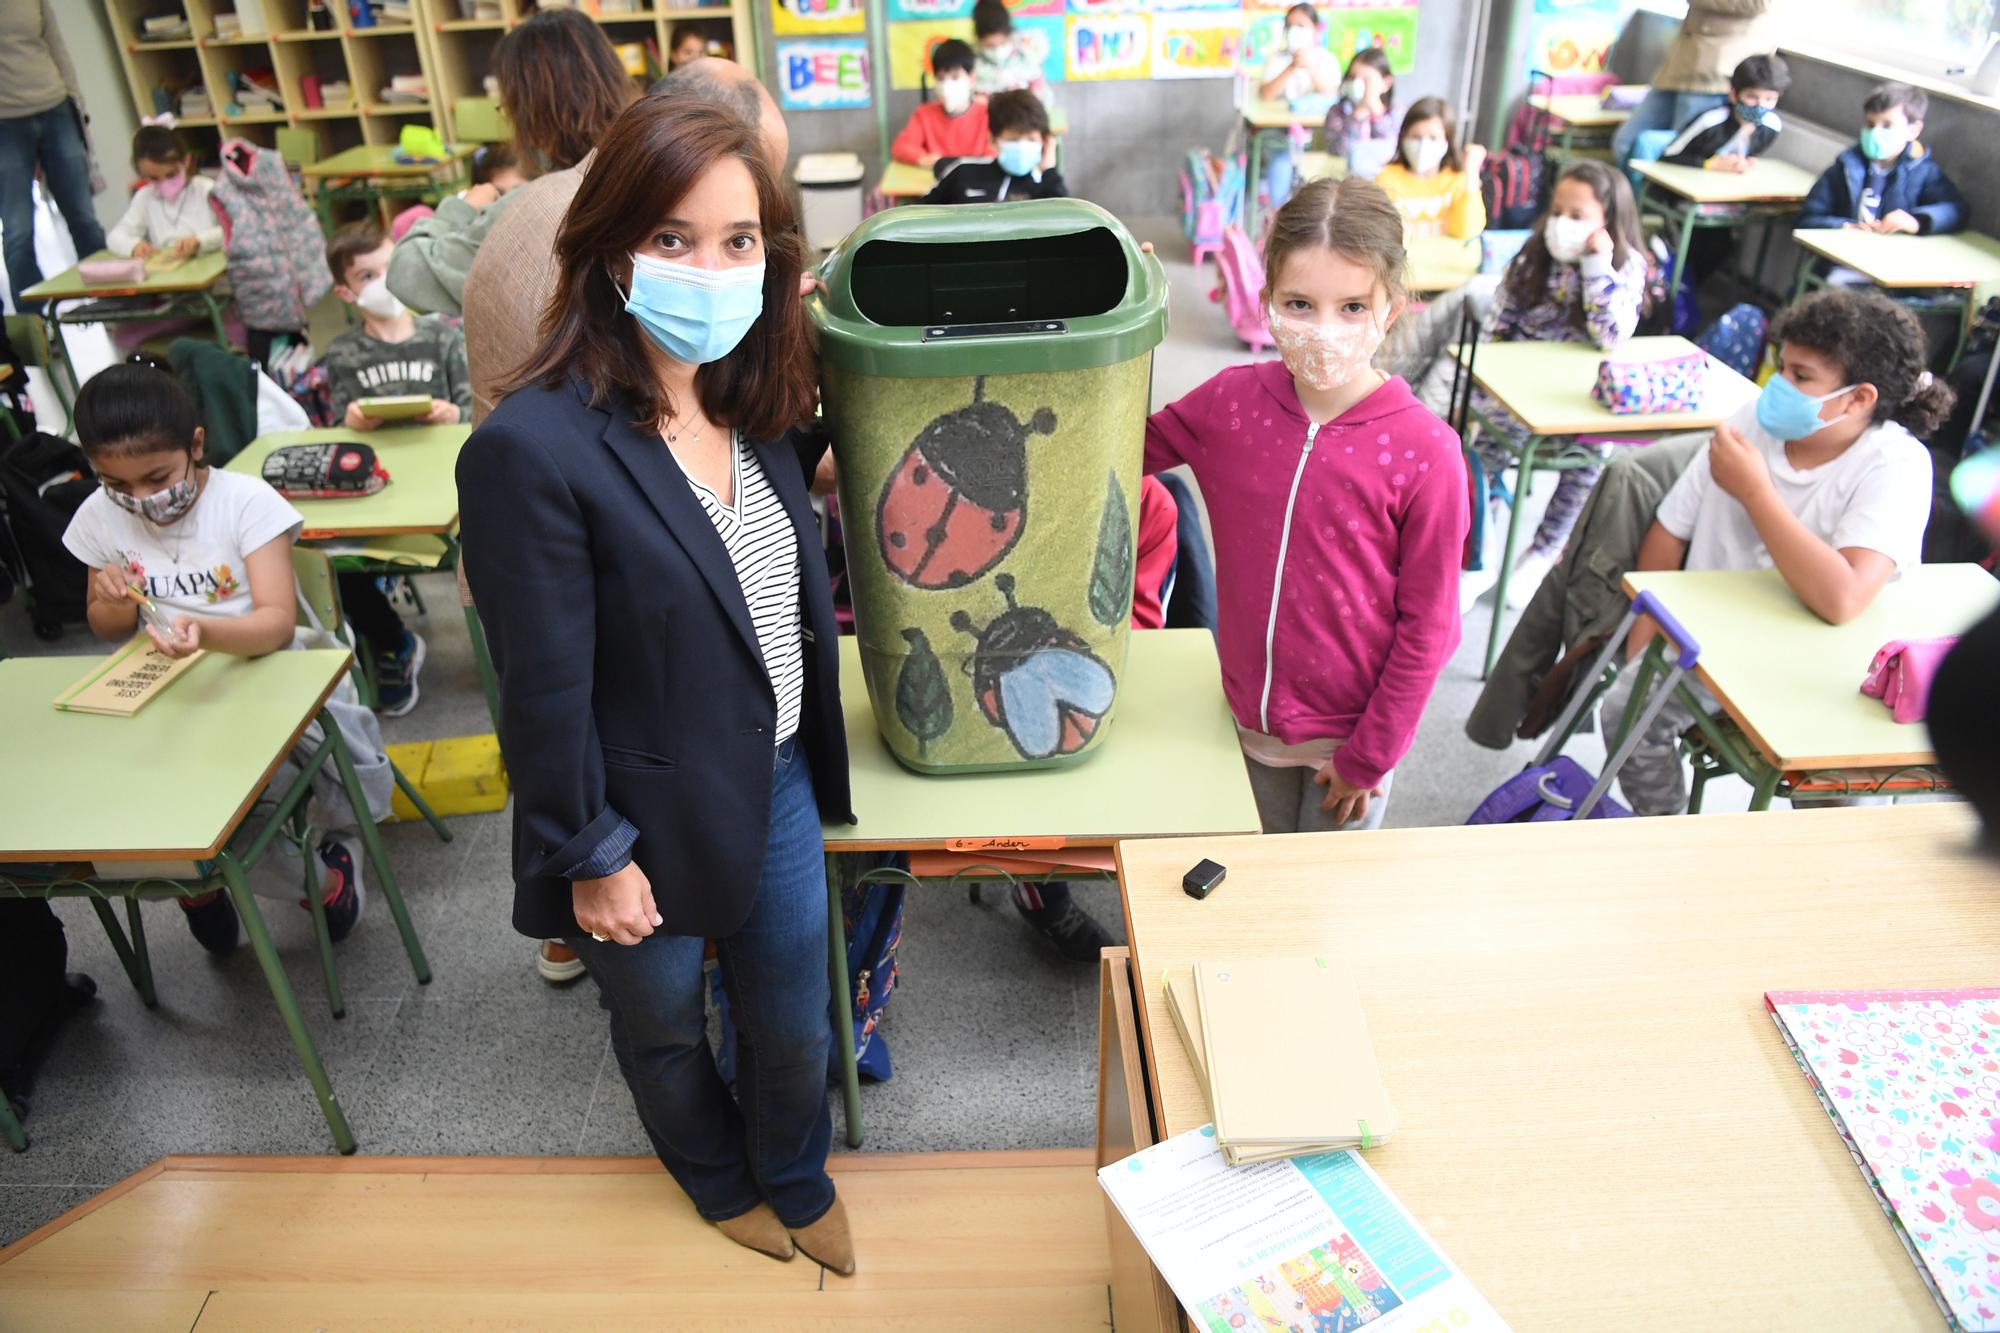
x=1600, y=1123
x=422, y=494
x=372, y=172
x=1581, y=120
x=193, y=278
x=1692, y=197
x=1169, y=764
x=1546, y=386
x=905, y=180
x=1924, y=272
x=1791, y=681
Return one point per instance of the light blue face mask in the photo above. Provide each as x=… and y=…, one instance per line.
x=695, y=315
x=1019, y=157
x=1881, y=143
x=1789, y=412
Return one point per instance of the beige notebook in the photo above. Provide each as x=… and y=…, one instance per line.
x=126, y=681
x=1290, y=1060
x=396, y=407
x=1186, y=1011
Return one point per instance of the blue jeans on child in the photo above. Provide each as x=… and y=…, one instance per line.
x=769, y=1142
x=1662, y=109
x=52, y=140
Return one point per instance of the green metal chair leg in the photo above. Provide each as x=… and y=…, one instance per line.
x=1524, y=478
x=843, y=1004
x=140, y=954
x=1765, y=788
x=288, y=1004
x=371, y=838
x=315, y=899
x=415, y=798
x=10, y=1125
x=142, y=978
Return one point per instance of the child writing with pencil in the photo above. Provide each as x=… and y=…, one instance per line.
x=1338, y=505
x=169, y=213
x=210, y=552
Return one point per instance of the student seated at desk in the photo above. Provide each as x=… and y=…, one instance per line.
x=1433, y=181
x=393, y=353
x=1020, y=167
x=1726, y=138
x=1580, y=278
x=213, y=551
x=1305, y=66
x=1889, y=182
x=1823, y=478
x=1364, y=111
x=954, y=123
x=1005, y=65
x=169, y=212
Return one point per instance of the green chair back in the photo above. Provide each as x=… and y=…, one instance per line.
x=480, y=120
x=298, y=145
x=314, y=570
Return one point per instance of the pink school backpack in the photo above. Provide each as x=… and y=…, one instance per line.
x=1243, y=288
x=1211, y=200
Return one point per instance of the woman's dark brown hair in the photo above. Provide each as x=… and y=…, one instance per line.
x=561, y=85
x=1875, y=341
x=1439, y=110
x=1527, y=281
x=652, y=157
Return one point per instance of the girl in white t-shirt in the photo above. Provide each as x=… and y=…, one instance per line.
x=1824, y=479
x=170, y=210
x=212, y=550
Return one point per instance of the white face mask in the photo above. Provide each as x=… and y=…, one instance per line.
x=1425, y=154
x=955, y=95
x=376, y=299
x=1298, y=39
x=1568, y=238
x=1354, y=91
x=1324, y=356
x=998, y=52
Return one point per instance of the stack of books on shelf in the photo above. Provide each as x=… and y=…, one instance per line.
x=171, y=27
x=247, y=20
x=336, y=93
x=255, y=90
x=406, y=90
x=393, y=11
x=1282, y=1049
x=194, y=102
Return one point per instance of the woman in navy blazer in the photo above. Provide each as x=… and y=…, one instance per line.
x=639, y=541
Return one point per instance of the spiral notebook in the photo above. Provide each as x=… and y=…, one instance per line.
x=1911, y=1080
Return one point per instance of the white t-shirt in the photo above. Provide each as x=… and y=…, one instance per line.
x=1298, y=83
x=196, y=565
x=1876, y=495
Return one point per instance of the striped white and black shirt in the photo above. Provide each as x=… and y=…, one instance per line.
x=758, y=534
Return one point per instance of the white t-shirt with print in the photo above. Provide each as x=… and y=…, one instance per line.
x=196, y=565
x=1876, y=495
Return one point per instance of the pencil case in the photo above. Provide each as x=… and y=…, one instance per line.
x=336, y=471
x=1658, y=384
x=1901, y=675
x=110, y=272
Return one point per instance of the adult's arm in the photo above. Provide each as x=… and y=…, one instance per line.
x=52, y=38
x=428, y=266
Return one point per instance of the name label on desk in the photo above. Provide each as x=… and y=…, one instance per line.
x=1003, y=844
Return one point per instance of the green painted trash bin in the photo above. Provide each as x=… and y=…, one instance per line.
x=986, y=373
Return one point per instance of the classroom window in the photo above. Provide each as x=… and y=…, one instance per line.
x=1941, y=38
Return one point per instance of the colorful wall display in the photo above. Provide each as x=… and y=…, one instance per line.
x=1573, y=36
x=829, y=75
x=811, y=18
x=1348, y=29
x=1021, y=9
x=1108, y=6
x=1205, y=44
x=911, y=44
x=899, y=11
x=1108, y=46
x=1042, y=37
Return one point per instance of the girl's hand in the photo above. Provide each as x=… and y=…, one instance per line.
x=1348, y=804
x=618, y=908
x=109, y=585
x=1475, y=158
x=1600, y=243
x=442, y=413
x=480, y=196
x=186, y=246
x=186, y=639
x=1737, y=466
x=143, y=250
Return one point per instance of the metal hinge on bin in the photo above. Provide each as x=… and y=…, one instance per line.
x=1018, y=326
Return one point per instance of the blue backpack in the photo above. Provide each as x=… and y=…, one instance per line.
x=873, y=917
x=1736, y=339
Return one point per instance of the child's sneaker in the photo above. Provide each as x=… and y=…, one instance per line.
x=1074, y=932
x=1527, y=576
x=396, y=676
x=345, y=899
x=212, y=922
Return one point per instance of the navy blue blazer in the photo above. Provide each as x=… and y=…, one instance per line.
x=635, y=714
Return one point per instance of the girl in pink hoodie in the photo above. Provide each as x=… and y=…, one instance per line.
x=1340, y=511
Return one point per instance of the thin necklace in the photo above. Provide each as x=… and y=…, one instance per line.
x=673, y=437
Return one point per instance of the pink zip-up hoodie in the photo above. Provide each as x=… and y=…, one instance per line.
x=1337, y=551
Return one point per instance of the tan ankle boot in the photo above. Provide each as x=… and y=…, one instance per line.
x=828, y=1242
x=759, y=1230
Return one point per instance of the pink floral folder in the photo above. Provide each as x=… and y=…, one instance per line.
x=1911, y=1079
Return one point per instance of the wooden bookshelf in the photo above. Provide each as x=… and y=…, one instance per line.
x=462, y=37
x=302, y=41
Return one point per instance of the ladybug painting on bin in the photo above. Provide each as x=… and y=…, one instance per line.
x=1036, y=680
x=956, y=502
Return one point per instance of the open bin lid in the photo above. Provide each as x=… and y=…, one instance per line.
x=992, y=289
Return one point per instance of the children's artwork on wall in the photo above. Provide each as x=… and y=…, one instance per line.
x=809, y=18
x=1392, y=29
x=1573, y=36
x=1178, y=6
x=1042, y=37
x=911, y=44
x=1108, y=6
x=827, y=75
x=1021, y=9
x=1108, y=46
x=901, y=11
x=1263, y=37
x=1200, y=45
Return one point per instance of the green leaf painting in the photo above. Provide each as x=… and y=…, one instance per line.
x=923, y=696
x=1111, y=568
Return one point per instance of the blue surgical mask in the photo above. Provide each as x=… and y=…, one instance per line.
x=1750, y=114
x=162, y=506
x=695, y=315
x=1019, y=157
x=1883, y=142
x=1788, y=412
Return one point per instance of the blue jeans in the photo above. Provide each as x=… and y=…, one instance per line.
x=52, y=140
x=1662, y=109
x=769, y=1142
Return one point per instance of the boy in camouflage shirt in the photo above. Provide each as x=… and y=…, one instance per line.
x=393, y=353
